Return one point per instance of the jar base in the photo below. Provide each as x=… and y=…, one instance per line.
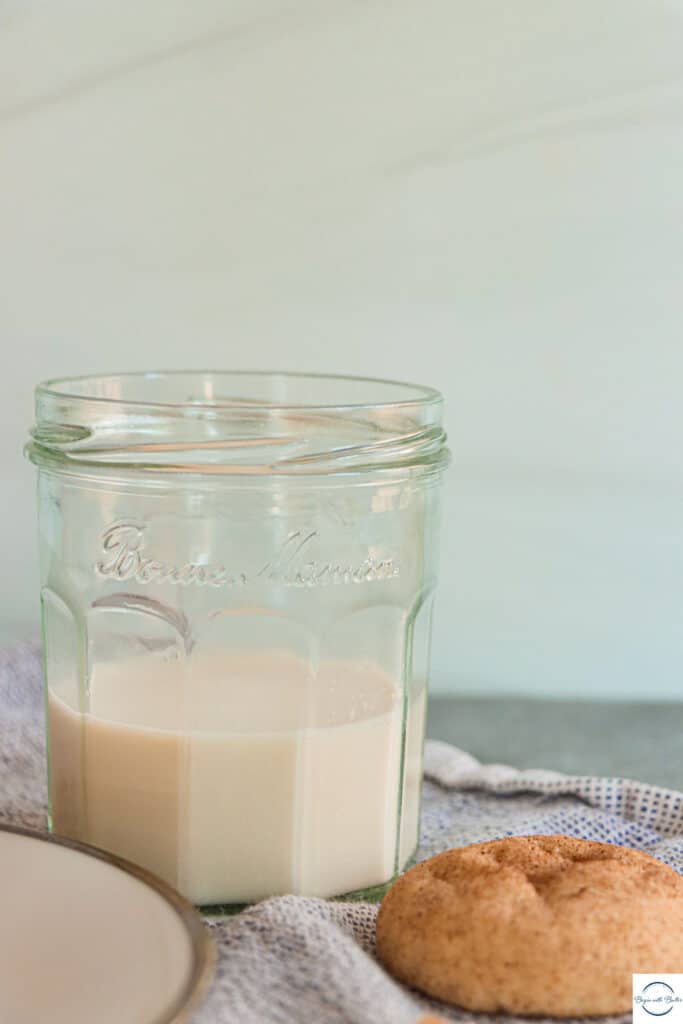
x=373, y=894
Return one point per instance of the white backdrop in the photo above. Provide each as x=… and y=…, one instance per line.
x=482, y=196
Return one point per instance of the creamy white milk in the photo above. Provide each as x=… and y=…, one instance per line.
x=240, y=777
x=82, y=942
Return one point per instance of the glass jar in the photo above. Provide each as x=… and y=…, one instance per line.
x=238, y=573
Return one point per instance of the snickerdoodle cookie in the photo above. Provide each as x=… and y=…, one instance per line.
x=545, y=925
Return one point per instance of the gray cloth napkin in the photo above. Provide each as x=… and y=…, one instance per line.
x=291, y=960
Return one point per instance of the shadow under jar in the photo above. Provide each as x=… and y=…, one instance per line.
x=238, y=572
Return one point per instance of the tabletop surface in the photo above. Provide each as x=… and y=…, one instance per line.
x=634, y=740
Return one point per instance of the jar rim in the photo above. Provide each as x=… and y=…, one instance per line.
x=83, y=388
x=239, y=422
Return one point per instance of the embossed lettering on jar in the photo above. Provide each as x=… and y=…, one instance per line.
x=238, y=574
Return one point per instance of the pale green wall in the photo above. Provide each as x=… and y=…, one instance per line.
x=486, y=197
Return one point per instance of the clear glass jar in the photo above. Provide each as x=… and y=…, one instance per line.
x=238, y=572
